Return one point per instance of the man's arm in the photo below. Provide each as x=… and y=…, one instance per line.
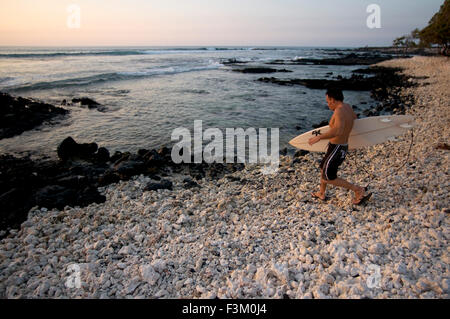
x=335, y=130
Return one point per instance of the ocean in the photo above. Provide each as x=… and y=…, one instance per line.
x=147, y=92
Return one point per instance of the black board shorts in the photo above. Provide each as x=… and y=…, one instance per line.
x=333, y=158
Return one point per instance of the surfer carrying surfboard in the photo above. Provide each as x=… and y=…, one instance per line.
x=341, y=124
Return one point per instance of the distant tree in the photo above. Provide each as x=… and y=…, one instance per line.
x=438, y=30
x=399, y=42
x=407, y=41
x=410, y=41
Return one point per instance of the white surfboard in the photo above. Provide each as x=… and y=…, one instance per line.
x=366, y=132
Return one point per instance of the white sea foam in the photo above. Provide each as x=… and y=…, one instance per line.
x=173, y=69
x=4, y=79
x=10, y=81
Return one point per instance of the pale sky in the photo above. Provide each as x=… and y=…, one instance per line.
x=209, y=22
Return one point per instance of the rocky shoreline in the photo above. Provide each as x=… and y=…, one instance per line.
x=73, y=179
x=172, y=233
x=364, y=58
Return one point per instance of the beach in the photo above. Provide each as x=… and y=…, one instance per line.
x=252, y=235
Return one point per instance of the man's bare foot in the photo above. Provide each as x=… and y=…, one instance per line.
x=319, y=195
x=360, y=196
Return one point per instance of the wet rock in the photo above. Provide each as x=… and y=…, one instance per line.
x=256, y=70
x=70, y=149
x=86, y=102
x=18, y=115
x=233, y=61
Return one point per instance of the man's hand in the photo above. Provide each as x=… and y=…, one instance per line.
x=314, y=140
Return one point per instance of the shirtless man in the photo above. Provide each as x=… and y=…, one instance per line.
x=341, y=124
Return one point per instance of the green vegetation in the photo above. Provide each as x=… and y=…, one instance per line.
x=437, y=33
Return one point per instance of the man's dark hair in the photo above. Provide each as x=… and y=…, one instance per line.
x=335, y=93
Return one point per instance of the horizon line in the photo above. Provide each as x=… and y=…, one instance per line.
x=206, y=46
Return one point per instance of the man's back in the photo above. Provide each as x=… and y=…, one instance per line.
x=343, y=119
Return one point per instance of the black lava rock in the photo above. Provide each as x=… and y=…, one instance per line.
x=256, y=70
x=86, y=101
x=128, y=168
x=18, y=115
x=55, y=196
x=350, y=59
x=73, y=181
x=70, y=149
x=300, y=153
x=189, y=183
x=15, y=204
x=163, y=184
x=323, y=123
x=90, y=195
x=67, y=148
x=354, y=83
x=164, y=152
x=142, y=152
x=116, y=156
x=102, y=155
x=109, y=177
